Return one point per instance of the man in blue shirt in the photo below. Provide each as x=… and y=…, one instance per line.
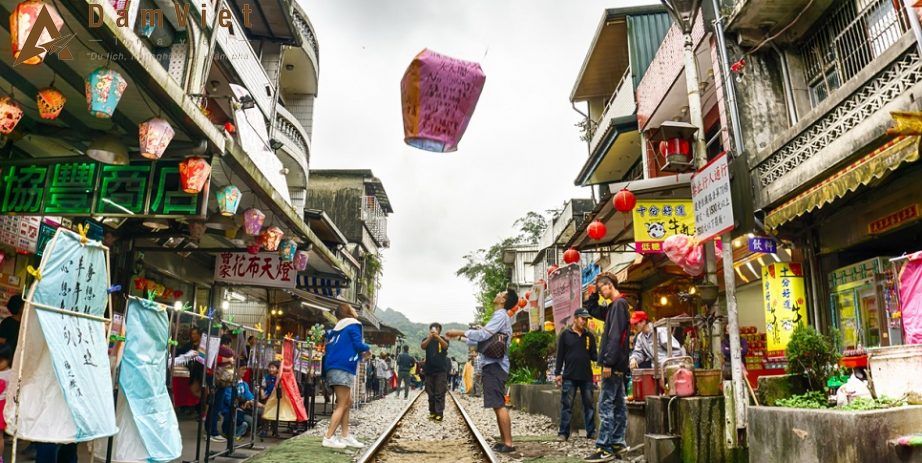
x=495, y=371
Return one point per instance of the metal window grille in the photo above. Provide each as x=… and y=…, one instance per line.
x=854, y=33
x=375, y=219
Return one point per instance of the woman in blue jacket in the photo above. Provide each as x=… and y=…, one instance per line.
x=344, y=347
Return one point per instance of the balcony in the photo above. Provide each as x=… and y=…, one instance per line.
x=239, y=54
x=619, y=107
x=375, y=220
x=300, y=70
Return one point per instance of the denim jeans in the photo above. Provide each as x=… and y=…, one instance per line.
x=55, y=453
x=566, y=406
x=403, y=380
x=612, y=413
x=211, y=422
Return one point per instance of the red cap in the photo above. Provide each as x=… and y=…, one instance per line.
x=639, y=316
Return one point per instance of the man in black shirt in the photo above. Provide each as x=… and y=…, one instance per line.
x=9, y=327
x=575, y=350
x=436, y=348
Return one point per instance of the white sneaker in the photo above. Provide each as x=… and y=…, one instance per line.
x=333, y=443
x=218, y=439
x=351, y=442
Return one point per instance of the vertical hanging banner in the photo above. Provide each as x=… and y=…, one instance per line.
x=291, y=408
x=711, y=196
x=65, y=393
x=566, y=293
x=785, y=302
x=536, y=308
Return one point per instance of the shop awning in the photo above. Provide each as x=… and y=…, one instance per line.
x=382, y=336
x=869, y=168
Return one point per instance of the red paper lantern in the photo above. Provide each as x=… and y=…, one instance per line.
x=229, y=127
x=571, y=256
x=596, y=230
x=270, y=238
x=527, y=294
x=193, y=173
x=676, y=149
x=625, y=200
x=551, y=269
x=523, y=302
x=50, y=102
x=22, y=20
x=253, y=249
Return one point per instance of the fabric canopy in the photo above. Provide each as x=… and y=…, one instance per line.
x=871, y=167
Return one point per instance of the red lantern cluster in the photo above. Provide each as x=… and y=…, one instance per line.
x=571, y=256
x=624, y=200
x=596, y=230
x=676, y=149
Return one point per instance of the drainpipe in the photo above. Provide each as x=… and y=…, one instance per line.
x=729, y=84
x=788, y=86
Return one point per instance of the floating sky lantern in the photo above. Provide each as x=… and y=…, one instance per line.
x=50, y=102
x=193, y=174
x=10, y=114
x=571, y=256
x=287, y=250
x=104, y=88
x=154, y=134
x=23, y=19
x=596, y=230
x=439, y=94
x=271, y=238
x=253, y=221
x=301, y=261
x=229, y=200
x=624, y=200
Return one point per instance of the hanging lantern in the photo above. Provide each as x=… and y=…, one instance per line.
x=253, y=221
x=439, y=94
x=528, y=295
x=193, y=174
x=675, y=150
x=522, y=302
x=22, y=21
x=10, y=114
x=253, y=249
x=551, y=269
x=301, y=261
x=269, y=239
x=154, y=135
x=229, y=200
x=50, y=103
x=571, y=256
x=287, y=250
x=596, y=230
x=229, y=127
x=104, y=87
x=625, y=200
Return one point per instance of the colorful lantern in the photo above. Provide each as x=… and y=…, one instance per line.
x=229, y=127
x=522, y=302
x=625, y=200
x=22, y=20
x=269, y=239
x=10, y=114
x=193, y=174
x=552, y=269
x=301, y=261
x=287, y=250
x=154, y=134
x=571, y=256
x=253, y=249
x=50, y=103
x=229, y=200
x=439, y=94
x=596, y=230
x=676, y=150
x=104, y=87
x=253, y=221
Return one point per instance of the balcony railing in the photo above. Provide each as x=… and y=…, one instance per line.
x=307, y=30
x=376, y=220
x=620, y=104
x=289, y=131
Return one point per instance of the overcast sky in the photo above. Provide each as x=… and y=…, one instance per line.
x=521, y=150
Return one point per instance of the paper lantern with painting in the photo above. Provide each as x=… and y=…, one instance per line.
x=301, y=261
x=104, y=89
x=154, y=135
x=270, y=239
x=193, y=174
x=439, y=94
x=253, y=221
x=23, y=19
x=10, y=114
x=229, y=200
x=287, y=250
x=50, y=102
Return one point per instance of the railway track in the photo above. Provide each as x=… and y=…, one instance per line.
x=414, y=438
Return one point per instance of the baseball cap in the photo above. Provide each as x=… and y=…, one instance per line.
x=639, y=316
x=582, y=313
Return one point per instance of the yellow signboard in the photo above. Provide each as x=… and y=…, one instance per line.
x=658, y=219
x=596, y=327
x=785, y=302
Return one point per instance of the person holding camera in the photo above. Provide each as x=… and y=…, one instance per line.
x=437, y=368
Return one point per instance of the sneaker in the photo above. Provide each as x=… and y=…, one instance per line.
x=438, y=417
x=600, y=456
x=351, y=442
x=333, y=443
x=503, y=448
x=562, y=438
x=218, y=439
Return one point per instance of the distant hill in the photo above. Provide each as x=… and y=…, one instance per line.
x=415, y=333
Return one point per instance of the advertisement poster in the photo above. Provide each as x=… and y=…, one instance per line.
x=566, y=292
x=657, y=219
x=536, y=308
x=785, y=302
x=711, y=197
x=596, y=326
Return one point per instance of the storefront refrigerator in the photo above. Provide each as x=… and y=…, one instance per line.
x=862, y=305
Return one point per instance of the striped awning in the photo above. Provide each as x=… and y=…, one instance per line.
x=873, y=166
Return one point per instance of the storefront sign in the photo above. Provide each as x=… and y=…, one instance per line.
x=762, y=244
x=566, y=291
x=263, y=269
x=785, y=302
x=711, y=196
x=656, y=220
x=20, y=233
x=90, y=188
x=536, y=308
x=894, y=220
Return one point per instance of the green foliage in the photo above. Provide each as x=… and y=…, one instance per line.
x=371, y=277
x=812, y=399
x=862, y=404
x=414, y=333
x=818, y=400
x=522, y=375
x=812, y=355
x=531, y=351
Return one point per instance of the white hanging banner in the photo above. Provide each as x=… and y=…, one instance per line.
x=711, y=197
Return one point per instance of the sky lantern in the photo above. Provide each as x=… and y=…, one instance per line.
x=571, y=256
x=104, y=88
x=50, y=102
x=22, y=20
x=624, y=200
x=193, y=174
x=596, y=230
x=229, y=200
x=10, y=114
x=439, y=94
x=287, y=250
x=271, y=238
x=301, y=261
x=253, y=221
x=154, y=135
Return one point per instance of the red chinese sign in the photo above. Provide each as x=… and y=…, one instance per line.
x=894, y=220
x=263, y=269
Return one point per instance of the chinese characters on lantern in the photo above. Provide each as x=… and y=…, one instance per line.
x=263, y=269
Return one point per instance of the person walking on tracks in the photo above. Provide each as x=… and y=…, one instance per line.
x=608, y=305
x=405, y=363
x=493, y=342
x=576, y=350
x=344, y=346
x=436, y=370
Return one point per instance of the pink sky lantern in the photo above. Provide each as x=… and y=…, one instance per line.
x=253, y=221
x=270, y=238
x=22, y=20
x=10, y=114
x=439, y=94
x=301, y=261
x=155, y=135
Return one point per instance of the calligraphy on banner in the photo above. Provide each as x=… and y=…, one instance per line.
x=263, y=269
x=657, y=219
x=785, y=302
x=711, y=196
x=566, y=292
x=536, y=308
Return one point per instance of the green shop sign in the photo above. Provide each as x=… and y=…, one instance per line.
x=90, y=188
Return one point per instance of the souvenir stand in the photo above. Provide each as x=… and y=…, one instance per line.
x=285, y=402
x=176, y=364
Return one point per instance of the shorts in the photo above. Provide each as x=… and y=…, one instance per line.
x=340, y=378
x=494, y=386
